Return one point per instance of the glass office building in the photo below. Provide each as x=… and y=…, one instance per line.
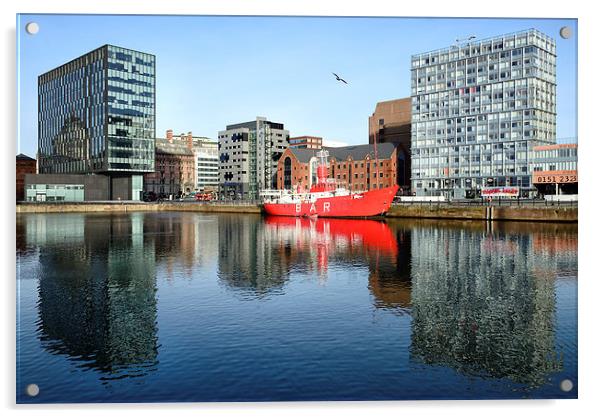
x=96, y=114
x=478, y=109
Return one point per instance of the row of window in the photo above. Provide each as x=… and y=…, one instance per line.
x=532, y=39
x=469, y=75
x=144, y=70
x=563, y=166
x=55, y=186
x=555, y=153
x=522, y=181
x=531, y=56
x=472, y=171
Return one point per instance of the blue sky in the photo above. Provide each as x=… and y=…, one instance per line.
x=215, y=70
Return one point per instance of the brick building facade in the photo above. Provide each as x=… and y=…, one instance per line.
x=392, y=122
x=353, y=167
x=174, y=169
x=206, y=155
x=306, y=141
x=25, y=165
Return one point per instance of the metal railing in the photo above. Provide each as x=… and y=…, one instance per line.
x=538, y=203
x=219, y=202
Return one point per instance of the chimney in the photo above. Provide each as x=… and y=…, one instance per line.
x=189, y=137
x=169, y=135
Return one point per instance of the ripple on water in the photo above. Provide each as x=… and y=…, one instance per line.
x=189, y=307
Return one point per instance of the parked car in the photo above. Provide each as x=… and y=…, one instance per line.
x=191, y=197
x=150, y=197
x=204, y=197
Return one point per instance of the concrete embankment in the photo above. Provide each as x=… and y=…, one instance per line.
x=550, y=214
x=439, y=211
x=135, y=207
x=494, y=213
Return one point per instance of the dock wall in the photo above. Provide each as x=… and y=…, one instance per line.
x=493, y=213
x=442, y=211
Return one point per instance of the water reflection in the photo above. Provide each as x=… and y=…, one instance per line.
x=481, y=297
x=97, y=294
x=390, y=280
x=309, y=243
x=182, y=242
x=484, y=299
x=248, y=261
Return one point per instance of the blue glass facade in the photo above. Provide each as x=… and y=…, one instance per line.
x=96, y=114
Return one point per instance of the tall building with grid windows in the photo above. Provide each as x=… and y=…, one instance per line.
x=478, y=108
x=248, y=157
x=96, y=115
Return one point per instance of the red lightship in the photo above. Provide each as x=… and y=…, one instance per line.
x=325, y=199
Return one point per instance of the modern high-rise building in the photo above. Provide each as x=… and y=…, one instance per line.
x=96, y=115
x=249, y=154
x=478, y=108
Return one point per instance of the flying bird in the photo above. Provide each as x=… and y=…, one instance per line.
x=339, y=78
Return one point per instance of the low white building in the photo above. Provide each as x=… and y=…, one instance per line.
x=206, y=159
x=207, y=167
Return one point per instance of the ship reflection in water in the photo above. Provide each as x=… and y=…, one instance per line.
x=137, y=307
x=312, y=242
x=315, y=240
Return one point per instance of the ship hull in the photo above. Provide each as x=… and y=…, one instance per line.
x=356, y=205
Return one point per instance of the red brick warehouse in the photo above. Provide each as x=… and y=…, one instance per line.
x=353, y=167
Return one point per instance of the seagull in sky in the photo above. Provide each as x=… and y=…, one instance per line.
x=339, y=78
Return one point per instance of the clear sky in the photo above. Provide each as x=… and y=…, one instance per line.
x=214, y=70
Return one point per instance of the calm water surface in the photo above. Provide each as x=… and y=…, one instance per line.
x=158, y=307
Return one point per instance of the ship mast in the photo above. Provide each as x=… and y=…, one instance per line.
x=322, y=170
x=376, y=161
x=322, y=184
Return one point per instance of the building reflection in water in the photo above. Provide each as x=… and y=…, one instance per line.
x=390, y=280
x=483, y=298
x=183, y=241
x=248, y=262
x=97, y=291
x=268, y=250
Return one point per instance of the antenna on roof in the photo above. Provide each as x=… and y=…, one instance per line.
x=469, y=38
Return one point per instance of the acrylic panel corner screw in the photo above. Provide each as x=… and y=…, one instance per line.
x=566, y=385
x=565, y=32
x=32, y=390
x=32, y=28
